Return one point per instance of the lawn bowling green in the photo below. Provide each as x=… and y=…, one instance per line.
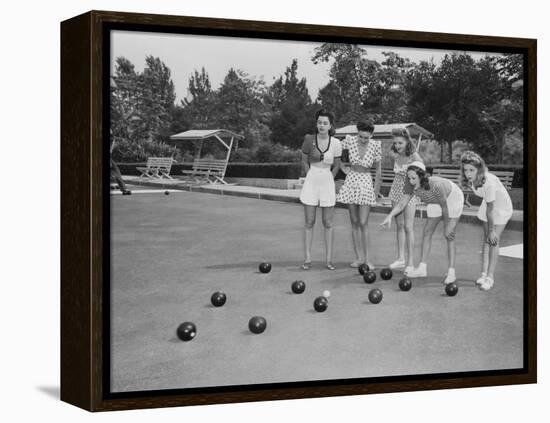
x=169, y=254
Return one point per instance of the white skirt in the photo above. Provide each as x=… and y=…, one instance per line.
x=319, y=188
x=455, y=204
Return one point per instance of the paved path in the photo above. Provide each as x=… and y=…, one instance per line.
x=289, y=195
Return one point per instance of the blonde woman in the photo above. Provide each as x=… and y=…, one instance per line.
x=495, y=211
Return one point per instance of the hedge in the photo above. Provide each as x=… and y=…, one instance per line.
x=294, y=170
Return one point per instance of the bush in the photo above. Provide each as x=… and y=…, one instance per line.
x=242, y=155
x=292, y=156
x=459, y=147
x=266, y=152
x=513, y=149
x=276, y=153
x=430, y=151
x=185, y=157
x=138, y=151
x=265, y=170
x=255, y=133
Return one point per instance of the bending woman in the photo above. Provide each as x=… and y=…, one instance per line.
x=445, y=202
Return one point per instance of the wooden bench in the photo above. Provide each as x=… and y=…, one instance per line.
x=505, y=176
x=157, y=167
x=208, y=170
x=387, y=177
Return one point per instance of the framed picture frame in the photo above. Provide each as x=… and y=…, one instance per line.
x=104, y=313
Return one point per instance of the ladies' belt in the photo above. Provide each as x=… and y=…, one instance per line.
x=360, y=169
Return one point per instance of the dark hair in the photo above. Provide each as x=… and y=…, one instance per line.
x=403, y=133
x=471, y=158
x=330, y=116
x=423, y=175
x=365, y=126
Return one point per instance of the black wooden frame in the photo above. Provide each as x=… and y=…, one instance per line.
x=84, y=183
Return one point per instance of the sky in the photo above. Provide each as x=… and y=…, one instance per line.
x=266, y=59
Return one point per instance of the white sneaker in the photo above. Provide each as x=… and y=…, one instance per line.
x=418, y=272
x=407, y=270
x=451, y=277
x=481, y=279
x=487, y=284
x=397, y=264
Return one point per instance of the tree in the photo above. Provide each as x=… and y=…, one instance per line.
x=449, y=97
x=239, y=103
x=142, y=107
x=157, y=96
x=360, y=88
x=124, y=108
x=504, y=114
x=384, y=96
x=290, y=103
x=342, y=95
x=199, y=109
x=467, y=100
x=510, y=66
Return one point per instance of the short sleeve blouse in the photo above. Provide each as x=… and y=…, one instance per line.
x=372, y=155
x=314, y=155
x=488, y=191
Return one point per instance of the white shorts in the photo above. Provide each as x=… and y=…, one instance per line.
x=319, y=189
x=455, y=204
x=500, y=216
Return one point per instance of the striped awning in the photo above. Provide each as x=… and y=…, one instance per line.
x=201, y=134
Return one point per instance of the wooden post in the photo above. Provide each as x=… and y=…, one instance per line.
x=200, y=150
x=229, y=151
x=418, y=143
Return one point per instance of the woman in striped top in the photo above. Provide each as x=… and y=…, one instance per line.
x=445, y=201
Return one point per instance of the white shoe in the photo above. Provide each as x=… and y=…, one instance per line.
x=418, y=272
x=451, y=277
x=397, y=264
x=487, y=284
x=481, y=279
x=407, y=270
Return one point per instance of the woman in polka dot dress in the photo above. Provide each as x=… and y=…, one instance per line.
x=358, y=191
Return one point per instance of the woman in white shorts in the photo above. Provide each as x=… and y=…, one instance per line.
x=445, y=201
x=495, y=211
x=321, y=161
